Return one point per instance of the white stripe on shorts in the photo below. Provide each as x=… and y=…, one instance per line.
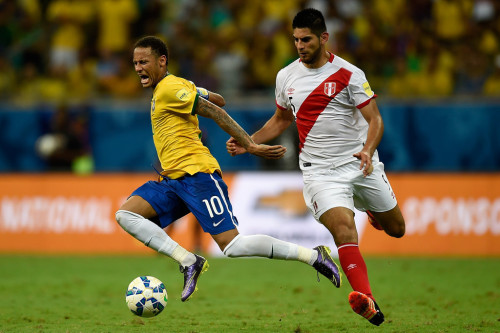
x=223, y=199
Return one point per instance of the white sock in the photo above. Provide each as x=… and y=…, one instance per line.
x=267, y=246
x=153, y=236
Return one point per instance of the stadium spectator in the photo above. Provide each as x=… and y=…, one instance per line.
x=472, y=70
x=492, y=84
x=230, y=61
x=339, y=127
x=191, y=177
x=82, y=78
x=115, y=19
x=436, y=79
x=451, y=19
x=156, y=16
x=7, y=25
x=28, y=83
x=7, y=76
x=119, y=80
x=68, y=19
x=54, y=85
x=403, y=83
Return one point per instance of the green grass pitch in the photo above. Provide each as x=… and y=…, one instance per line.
x=87, y=294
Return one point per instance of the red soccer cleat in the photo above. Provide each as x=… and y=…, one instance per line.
x=366, y=307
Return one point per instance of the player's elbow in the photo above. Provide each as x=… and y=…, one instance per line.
x=221, y=101
x=283, y=120
x=217, y=100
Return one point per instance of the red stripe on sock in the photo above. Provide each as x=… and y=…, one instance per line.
x=354, y=268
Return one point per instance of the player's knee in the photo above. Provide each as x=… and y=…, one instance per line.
x=397, y=230
x=124, y=218
x=121, y=217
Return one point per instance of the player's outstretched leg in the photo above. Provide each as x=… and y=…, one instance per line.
x=326, y=266
x=191, y=275
x=366, y=307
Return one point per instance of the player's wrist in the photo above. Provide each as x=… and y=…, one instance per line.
x=251, y=148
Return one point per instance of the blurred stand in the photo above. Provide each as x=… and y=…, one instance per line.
x=65, y=147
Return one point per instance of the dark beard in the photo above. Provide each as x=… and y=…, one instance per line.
x=314, y=57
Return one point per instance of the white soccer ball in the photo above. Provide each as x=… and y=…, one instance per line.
x=146, y=296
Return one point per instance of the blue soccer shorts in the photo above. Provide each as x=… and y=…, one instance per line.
x=203, y=194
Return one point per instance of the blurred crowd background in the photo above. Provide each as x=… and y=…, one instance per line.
x=67, y=65
x=59, y=50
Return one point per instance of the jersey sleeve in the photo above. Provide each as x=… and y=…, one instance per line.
x=282, y=101
x=360, y=90
x=179, y=97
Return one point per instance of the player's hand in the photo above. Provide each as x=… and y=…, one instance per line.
x=266, y=151
x=234, y=148
x=366, y=162
x=269, y=152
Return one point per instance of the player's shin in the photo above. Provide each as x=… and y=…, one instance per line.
x=153, y=236
x=266, y=246
x=354, y=268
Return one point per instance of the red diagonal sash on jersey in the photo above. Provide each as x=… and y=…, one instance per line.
x=317, y=101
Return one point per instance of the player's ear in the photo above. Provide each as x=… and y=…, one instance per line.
x=163, y=60
x=324, y=37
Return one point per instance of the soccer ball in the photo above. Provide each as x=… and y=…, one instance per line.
x=146, y=296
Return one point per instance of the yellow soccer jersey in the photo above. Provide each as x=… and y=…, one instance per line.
x=176, y=131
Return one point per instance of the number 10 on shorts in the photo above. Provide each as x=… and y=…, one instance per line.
x=214, y=206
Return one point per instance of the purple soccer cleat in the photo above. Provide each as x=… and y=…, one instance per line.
x=326, y=266
x=191, y=275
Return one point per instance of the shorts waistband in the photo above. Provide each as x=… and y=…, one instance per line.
x=330, y=165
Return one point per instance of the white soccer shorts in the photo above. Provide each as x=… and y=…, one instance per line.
x=345, y=186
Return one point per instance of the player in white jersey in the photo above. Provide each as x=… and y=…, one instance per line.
x=339, y=128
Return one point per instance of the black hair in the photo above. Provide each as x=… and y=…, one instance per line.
x=310, y=18
x=158, y=47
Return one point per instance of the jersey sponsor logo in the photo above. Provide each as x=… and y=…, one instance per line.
x=368, y=90
x=330, y=88
x=290, y=91
x=183, y=95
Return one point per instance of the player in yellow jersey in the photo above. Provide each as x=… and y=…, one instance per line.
x=191, y=177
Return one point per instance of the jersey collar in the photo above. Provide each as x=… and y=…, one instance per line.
x=331, y=56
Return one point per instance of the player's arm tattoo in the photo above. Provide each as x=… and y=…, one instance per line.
x=224, y=120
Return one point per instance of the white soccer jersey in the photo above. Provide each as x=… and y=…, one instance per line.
x=325, y=102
